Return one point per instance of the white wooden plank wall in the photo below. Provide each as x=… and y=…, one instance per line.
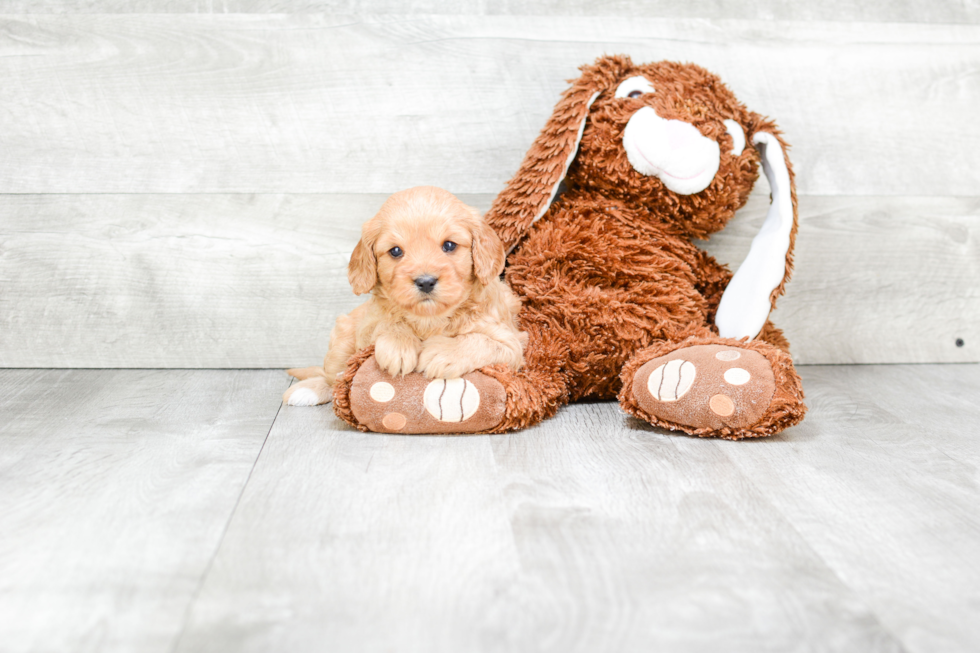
x=256, y=280
x=182, y=190
x=339, y=104
x=905, y=11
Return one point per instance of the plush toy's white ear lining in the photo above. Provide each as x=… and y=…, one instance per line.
x=571, y=157
x=745, y=305
x=737, y=134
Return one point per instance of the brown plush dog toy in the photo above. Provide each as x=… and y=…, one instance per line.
x=616, y=298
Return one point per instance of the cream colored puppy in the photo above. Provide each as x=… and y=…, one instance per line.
x=437, y=303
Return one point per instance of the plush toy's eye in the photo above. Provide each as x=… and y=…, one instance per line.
x=396, y=252
x=634, y=87
x=448, y=246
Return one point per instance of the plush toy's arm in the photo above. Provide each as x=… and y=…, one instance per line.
x=752, y=292
x=712, y=279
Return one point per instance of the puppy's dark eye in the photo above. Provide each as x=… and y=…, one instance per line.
x=448, y=246
x=635, y=94
x=396, y=252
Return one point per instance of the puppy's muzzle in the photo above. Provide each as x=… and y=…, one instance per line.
x=426, y=283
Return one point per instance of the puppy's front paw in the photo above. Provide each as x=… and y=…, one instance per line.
x=394, y=358
x=441, y=359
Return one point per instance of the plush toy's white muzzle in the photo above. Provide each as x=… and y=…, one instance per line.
x=671, y=150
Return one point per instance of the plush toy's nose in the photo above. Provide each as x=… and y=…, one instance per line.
x=672, y=150
x=426, y=283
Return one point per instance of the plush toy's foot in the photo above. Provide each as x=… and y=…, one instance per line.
x=414, y=404
x=732, y=390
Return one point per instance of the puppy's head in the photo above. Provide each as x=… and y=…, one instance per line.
x=425, y=250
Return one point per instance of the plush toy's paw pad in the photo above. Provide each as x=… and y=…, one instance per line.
x=415, y=404
x=706, y=386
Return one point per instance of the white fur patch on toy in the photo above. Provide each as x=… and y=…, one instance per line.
x=738, y=136
x=303, y=397
x=674, y=151
x=728, y=355
x=382, y=392
x=745, y=306
x=672, y=380
x=451, y=400
x=737, y=376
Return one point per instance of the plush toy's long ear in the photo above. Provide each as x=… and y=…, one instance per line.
x=762, y=277
x=529, y=193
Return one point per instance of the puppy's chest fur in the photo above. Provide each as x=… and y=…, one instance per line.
x=488, y=307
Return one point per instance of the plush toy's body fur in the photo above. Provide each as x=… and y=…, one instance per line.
x=614, y=290
x=625, y=284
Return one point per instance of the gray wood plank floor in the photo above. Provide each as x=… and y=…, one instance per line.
x=115, y=491
x=156, y=511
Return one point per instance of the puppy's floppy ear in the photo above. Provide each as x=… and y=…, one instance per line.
x=362, y=271
x=529, y=193
x=487, y=250
x=762, y=276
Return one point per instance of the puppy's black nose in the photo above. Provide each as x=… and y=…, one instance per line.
x=426, y=283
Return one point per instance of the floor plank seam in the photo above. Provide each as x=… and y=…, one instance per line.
x=830, y=569
x=224, y=533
